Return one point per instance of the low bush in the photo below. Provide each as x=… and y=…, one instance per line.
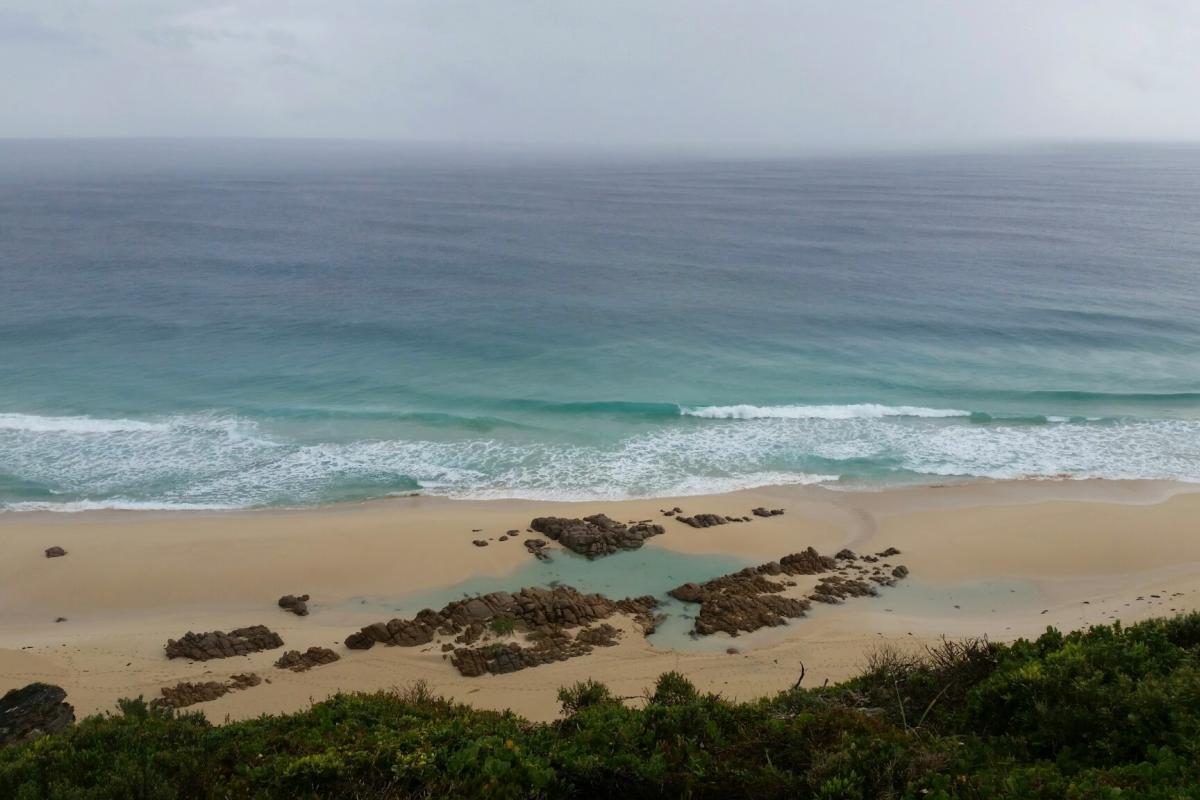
x=1111, y=712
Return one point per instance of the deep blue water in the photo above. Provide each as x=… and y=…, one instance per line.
x=237, y=324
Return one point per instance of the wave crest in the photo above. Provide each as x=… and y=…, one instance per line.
x=855, y=411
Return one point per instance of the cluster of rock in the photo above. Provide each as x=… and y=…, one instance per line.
x=298, y=605
x=546, y=646
x=302, y=662
x=766, y=512
x=544, y=615
x=33, y=711
x=55, y=552
x=748, y=600
x=709, y=520
x=596, y=535
x=218, y=644
x=185, y=693
x=531, y=609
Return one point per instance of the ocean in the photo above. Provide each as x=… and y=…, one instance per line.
x=233, y=324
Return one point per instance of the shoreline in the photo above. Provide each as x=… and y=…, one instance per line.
x=1002, y=559
x=1020, y=490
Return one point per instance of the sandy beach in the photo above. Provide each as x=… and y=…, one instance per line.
x=1001, y=559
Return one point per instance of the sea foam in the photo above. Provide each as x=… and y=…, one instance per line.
x=854, y=411
x=214, y=461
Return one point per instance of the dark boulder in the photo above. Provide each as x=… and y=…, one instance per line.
x=33, y=711
x=597, y=535
x=302, y=662
x=298, y=605
x=55, y=552
x=766, y=512
x=218, y=644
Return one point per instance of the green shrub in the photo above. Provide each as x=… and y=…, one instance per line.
x=583, y=694
x=1111, y=712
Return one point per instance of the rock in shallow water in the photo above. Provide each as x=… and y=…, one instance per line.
x=746, y=601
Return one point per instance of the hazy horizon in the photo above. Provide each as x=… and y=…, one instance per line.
x=697, y=77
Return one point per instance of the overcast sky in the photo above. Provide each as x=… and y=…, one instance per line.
x=697, y=73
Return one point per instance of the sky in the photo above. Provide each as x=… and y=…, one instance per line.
x=736, y=74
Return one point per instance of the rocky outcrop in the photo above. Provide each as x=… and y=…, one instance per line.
x=748, y=600
x=548, y=645
x=33, y=711
x=531, y=609
x=55, y=552
x=836, y=588
x=704, y=520
x=602, y=635
x=596, y=535
x=742, y=601
x=302, y=662
x=298, y=605
x=218, y=644
x=185, y=693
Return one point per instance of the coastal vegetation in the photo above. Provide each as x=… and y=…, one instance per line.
x=1108, y=712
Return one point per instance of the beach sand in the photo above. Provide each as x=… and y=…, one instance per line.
x=1001, y=559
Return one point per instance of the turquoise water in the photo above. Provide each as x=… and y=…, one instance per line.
x=225, y=325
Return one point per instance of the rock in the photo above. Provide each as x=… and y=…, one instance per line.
x=538, y=548
x=497, y=659
x=296, y=605
x=740, y=601
x=732, y=651
x=530, y=609
x=55, y=552
x=480, y=542
x=33, y=711
x=602, y=635
x=806, y=562
x=502, y=538
x=185, y=693
x=60, y=619
x=835, y=588
x=747, y=600
x=900, y=571
x=703, y=520
x=218, y=644
x=302, y=662
x=596, y=535
x=891, y=551
x=766, y=512
x=359, y=641
x=846, y=554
